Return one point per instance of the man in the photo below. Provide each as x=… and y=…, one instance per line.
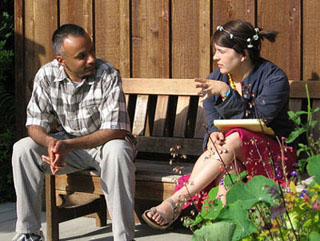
x=84, y=95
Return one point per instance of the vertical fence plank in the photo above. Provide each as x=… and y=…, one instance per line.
x=224, y=11
x=150, y=38
x=112, y=35
x=124, y=38
x=185, y=39
x=107, y=34
x=285, y=52
x=77, y=12
x=311, y=40
x=38, y=28
x=204, y=58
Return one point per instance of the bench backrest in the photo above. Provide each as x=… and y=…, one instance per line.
x=166, y=112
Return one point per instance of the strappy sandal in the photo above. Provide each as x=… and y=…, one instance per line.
x=153, y=224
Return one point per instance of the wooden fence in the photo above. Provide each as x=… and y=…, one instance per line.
x=163, y=38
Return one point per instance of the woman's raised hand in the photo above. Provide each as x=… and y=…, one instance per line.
x=210, y=88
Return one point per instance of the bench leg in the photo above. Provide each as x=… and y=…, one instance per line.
x=51, y=209
x=101, y=216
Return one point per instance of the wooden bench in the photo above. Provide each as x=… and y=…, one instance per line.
x=164, y=113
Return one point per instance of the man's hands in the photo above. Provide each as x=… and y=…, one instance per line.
x=57, y=150
x=210, y=88
x=216, y=142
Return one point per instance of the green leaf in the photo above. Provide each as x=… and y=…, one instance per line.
x=315, y=110
x=313, y=167
x=221, y=231
x=314, y=236
x=294, y=117
x=295, y=134
x=211, y=207
x=257, y=190
x=313, y=123
x=239, y=215
x=235, y=178
x=301, y=112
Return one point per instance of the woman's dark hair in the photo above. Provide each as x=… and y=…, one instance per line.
x=64, y=31
x=241, y=35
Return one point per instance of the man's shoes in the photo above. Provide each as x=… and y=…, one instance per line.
x=28, y=237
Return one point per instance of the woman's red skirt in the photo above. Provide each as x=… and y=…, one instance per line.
x=262, y=155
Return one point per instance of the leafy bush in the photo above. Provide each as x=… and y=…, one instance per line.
x=7, y=102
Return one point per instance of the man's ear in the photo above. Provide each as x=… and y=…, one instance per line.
x=60, y=59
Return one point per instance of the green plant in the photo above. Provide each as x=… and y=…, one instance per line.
x=7, y=102
x=257, y=211
x=262, y=209
x=311, y=147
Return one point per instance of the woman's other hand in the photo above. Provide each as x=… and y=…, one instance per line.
x=211, y=88
x=216, y=142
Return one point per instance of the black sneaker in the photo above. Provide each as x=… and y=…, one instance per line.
x=28, y=237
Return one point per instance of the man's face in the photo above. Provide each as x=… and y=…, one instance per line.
x=77, y=57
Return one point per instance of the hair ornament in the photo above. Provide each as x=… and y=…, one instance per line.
x=249, y=45
x=220, y=28
x=255, y=37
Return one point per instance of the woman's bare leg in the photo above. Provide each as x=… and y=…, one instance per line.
x=205, y=171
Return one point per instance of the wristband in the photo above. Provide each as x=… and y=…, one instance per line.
x=226, y=94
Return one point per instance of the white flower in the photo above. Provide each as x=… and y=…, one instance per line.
x=231, y=36
x=220, y=28
x=248, y=40
x=255, y=37
x=250, y=46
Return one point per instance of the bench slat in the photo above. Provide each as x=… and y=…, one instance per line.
x=297, y=89
x=157, y=86
x=295, y=104
x=200, y=122
x=140, y=115
x=160, y=116
x=181, y=116
x=190, y=146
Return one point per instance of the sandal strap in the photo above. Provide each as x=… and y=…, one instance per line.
x=174, y=206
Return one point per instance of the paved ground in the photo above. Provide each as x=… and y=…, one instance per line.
x=84, y=229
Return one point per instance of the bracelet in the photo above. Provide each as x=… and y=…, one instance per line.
x=226, y=95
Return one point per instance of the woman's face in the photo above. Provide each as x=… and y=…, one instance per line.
x=227, y=59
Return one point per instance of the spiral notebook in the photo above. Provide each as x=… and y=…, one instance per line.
x=255, y=125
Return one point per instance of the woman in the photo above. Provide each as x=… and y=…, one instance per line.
x=245, y=86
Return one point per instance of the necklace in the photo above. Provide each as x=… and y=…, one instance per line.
x=233, y=85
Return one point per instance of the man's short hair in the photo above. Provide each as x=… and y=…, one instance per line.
x=64, y=31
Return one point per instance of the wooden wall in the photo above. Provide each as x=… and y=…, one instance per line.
x=163, y=38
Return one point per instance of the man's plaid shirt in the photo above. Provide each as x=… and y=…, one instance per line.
x=96, y=103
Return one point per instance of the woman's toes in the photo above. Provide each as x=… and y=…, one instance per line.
x=149, y=215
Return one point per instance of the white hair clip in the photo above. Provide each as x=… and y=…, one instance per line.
x=220, y=28
x=249, y=45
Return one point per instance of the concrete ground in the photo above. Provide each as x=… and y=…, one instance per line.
x=84, y=229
